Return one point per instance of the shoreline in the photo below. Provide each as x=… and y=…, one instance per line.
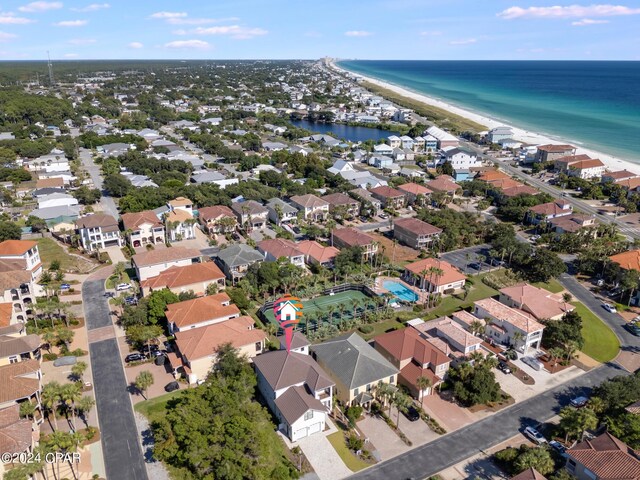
x=611, y=162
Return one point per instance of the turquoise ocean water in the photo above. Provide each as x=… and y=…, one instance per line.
x=591, y=104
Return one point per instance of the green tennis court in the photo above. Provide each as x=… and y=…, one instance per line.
x=333, y=308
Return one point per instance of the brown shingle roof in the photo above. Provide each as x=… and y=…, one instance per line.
x=280, y=247
x=281, y=370
x=13, y=279
x=15, y=383
x=387, y=192
x=97, y=220
x=176, y=277
x=251, y=207
x=215, y=212
x=417, y=226
x=17, y=345
x=556, y=148
x=201, y=309
x=15, y=432
x=16, y=247
x=607, y=457
x=551, y=208
x=408, y=344
x=352, y=237
x=295, y=402
x=164, y=255
x=443, y=184
x=132, y=221
x=309, y=201
x=519, y=190
x=339, y=199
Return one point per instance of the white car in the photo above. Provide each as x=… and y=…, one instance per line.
x=534, y=435
x=609, y=308
x=123, y=286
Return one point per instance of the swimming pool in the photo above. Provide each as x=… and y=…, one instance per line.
x=400, y=291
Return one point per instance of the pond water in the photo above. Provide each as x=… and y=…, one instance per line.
x=346, y=132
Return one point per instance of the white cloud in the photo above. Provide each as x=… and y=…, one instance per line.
x=168, y=15
x=4, y=36
x=82, y=41
x=357, y=33
x=234, y=31
x=135, y=45
x=429, y=33
x=40, y=6
x=588, y=21
x=11, y=19
x=92, y=7
x=195, y=44
x=71, y=55
x=71, y=23
x=569, y=11
x=199, y=21
x=463, y=41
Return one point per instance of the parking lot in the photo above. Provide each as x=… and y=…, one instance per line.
x=466, y=257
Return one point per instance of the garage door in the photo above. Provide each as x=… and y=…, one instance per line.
x=315, y=428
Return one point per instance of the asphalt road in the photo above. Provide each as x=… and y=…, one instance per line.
x=465, y=256
x=461, y=444
x=96, y=176
x=119, y=436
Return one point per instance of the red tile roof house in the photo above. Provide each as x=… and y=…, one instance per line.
x=341, y=205
x=603, y=458
x=443, y=183
x=314, y=253
x=312, y=207
x=420, y=275
x=448, y=335
x=298, y=391
x=276, y=248
x=143, y=228
x=217, y=219
x=415, y=357
x=538, y=302
x=200, y=312
x=529, y=474
x=196, y=278
x=390, y=197
x=154, y=262
x=547, y=211
x=414, y=232
x=24, y=253
x=196, y=348
x=415, y=193
x=352, y=237
x=506, y=322
x=548, y=153
x=618, y=176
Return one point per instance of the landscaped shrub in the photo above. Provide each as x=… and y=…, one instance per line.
x=354, y=442
x=366, y=329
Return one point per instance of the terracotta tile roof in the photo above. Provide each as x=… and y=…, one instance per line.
x=504, y=183
x=634, y=408
x=551, y=208
x=17, y=345
x=415, y=189
x=6, y=310
x=309, y=201
x=351, y=237
x=176, y=277
x=387, y=192
x=15, y=432
x=412, y=371
x=584, y=164
x=132, y=221
x=281, y=370
x=464, y=318
x=280, y=247
x=451, y=274
x=529, y=474
x=408, y=344
x=16, y=247
x=449, y=329
x=417, y=226
x=179, y=215
x=164, y=255
x=203, y=342
x=98, y=220
x=443, y=183
x=15, y=380
x=216, y=212
x=620, y=175
x=493, y=175
x=556, y=148
x=202, y=309
x=295, y=402
x=629, y=183
x=607, y=457
x=339, y=199
x=627, y=260
x=519, y=319
x=569, y=159
x=181, y=202
x=538, y=302
x=312, y=249
x=519, y=190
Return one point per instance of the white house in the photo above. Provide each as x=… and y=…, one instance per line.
x=461, y=159
x=56, y=200
x=499, y=133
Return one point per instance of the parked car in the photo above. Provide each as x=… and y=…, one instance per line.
x=504, y=368
x=123, y=286
x=609, y=308
x=131, y=300
x=109, y=294
x=579, y=402
x=412, y=413
x=134, y=357
x=65, y=286
x=172, y=387
x=475, y=265
x=633, y=327
x=534, y=435
x=384, y=216
x=557, y=446
x=533, y=363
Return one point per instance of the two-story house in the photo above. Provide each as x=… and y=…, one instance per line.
x=434, y=275
x=276, y=248
x=352, y=237
x=312, y=207
x=154, y=262
x=143, y=228
x=448, y=335
x=196, y=278
x=604, y=457
x=217, y=219
x=98, y=231
x=200, y=312
x=19, y=347
x=546, y=211
x=415, y=193
x=538, y=302
x=415, y=233
x=251, y=215
x=180, y=225
x=236, y=259
x=342, y=205
x=22, y=253
x=389, y=197
x=280, y=212
x=314, y=253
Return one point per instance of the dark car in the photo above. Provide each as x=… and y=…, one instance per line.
x=557, y=446
x=412, y=414
x=134, y=357
x=172, y=387
x=475, y=265
x=504, y=368
x=633, y=327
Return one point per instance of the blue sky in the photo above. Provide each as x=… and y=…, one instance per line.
x=365, y=29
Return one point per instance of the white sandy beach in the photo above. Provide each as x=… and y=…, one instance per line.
x=531, y=138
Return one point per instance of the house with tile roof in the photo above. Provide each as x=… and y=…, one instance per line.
x=143, y=228
x=434, y=275
x=16, y=433
x=618, y=175
x=415, y=193
x=236, y=259
x=200, y=312
x=415, y=233
x=448, y=335
x=629, y=260
x=98, y=231
x=549, y=153
x=342, y=205
x=355, y=367
x=19, y=348
x=389, y=197
x=529, y=474
x=154, y=262
x=180, y=225
x=546, y=211
x=604, y=457
x=366, y=199
x=443, y=183
x=197, y=347
x=312, y=207
x=196, y=278
x=276, y=248
x=217, y=219
x=414, y=357
x=538, y=302
x=24, y=253
x=297, y=390
x=581, y=166
x=349, y=237
x=18, y=292
x=314, y=253
x=507, y=324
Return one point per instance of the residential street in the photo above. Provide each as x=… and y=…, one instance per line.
x=455, y=447
x=108, y=205
x=120, y=443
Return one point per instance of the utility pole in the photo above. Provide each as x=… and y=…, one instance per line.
x=50, y=67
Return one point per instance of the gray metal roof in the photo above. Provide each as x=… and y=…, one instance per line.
x=239, y=254
x=350, y=358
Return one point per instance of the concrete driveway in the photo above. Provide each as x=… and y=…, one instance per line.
x=386, y=441
x=544, y=381
x=324, y=459
x=448, y=413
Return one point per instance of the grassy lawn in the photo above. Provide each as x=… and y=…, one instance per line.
x=154, y=408
x=600, y=343
x=350, y=460
x=552, y=285
x=452, y=303
x=111, y=281
x=381, y=327
x=51, y=251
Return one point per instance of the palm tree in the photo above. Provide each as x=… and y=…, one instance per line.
x=83, y=407
x=143, y=381
x=401, y=401
x=555, y=353
x=384, y=392
x=567, y=297
x=78, y=370
x=517, y=337
x=477, y=328
x=423, y=383
x=49, y=399
x=70, y=393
